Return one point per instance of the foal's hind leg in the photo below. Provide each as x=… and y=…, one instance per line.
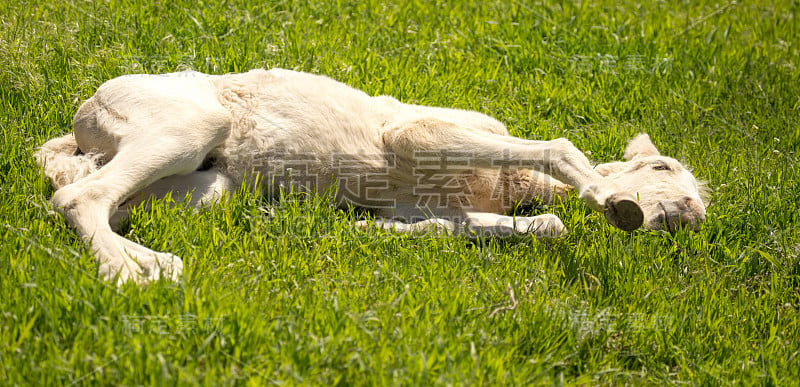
x=88, y=204
x=197, y=189
x=150, y=146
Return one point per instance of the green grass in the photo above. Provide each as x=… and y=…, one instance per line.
x=289, y=293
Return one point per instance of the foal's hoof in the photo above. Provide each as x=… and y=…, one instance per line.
x=624, y=212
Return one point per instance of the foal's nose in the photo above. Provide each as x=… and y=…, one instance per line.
x=695, y=207
x=685, y=212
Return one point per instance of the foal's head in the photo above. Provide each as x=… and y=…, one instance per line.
x=668, y=193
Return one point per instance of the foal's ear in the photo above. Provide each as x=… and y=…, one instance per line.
x=640, y=146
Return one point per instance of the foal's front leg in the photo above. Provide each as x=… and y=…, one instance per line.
x=545, y=226
x=477, y=224
x=557, y=158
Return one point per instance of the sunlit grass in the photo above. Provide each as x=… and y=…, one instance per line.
x=288, y=292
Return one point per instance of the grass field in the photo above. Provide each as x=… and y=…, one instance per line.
x=287, y=292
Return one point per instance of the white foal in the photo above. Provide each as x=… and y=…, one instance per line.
x=415, y=168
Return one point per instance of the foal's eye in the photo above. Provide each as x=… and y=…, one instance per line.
x=661, y=167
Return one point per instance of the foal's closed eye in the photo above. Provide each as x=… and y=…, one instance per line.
x=661, y=167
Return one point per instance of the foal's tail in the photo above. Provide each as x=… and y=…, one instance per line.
x=63, y=162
